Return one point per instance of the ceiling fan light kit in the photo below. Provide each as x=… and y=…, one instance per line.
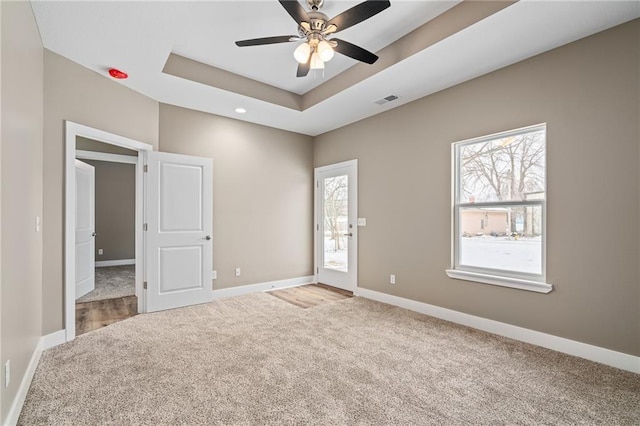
x=302, y=53
x=316, y=62
x=325, y=51
x=317, y=30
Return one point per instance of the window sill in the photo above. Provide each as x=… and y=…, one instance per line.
x=520, y=284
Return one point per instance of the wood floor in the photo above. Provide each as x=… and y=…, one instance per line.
x=94, y=315
x=311, y=295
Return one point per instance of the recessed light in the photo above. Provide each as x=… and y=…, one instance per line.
x=241, y=110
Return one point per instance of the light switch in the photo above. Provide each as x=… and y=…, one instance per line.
x=362, y=221
x=37, y=223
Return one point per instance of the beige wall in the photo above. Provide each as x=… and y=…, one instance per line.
x=115, y=210
x=72, y=92
x=588, y=94
x=262, y=193
x=21, y=170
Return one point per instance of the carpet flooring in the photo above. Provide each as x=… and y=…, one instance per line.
x=112, y=282
x=256, y=359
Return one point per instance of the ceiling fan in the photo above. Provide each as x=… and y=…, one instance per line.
x=316, y=29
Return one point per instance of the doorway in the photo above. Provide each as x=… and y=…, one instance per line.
x=73, y=132
x=173, y=210
x=110, y=255
x=336, y=236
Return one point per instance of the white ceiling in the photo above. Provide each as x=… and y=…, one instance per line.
x=137, y=37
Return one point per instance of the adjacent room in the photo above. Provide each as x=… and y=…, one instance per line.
x=320, y=212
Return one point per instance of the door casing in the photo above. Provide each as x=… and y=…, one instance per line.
x=73, y=130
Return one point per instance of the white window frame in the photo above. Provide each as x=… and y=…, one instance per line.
x=512, y=279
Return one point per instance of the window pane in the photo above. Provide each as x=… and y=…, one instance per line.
x=505, y=169
x=505, y=238
x=336, y=223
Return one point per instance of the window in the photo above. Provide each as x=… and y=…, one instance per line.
x=499, y=194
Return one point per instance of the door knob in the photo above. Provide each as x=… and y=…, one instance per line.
x=350, y=234
x=208, y=237
x=93, y=234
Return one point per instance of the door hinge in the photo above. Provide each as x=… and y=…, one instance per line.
x=144, y=285
x=317, y=270
x=317, y=227
x=144, y=227
x=146, y=168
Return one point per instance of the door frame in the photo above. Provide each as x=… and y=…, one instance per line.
x=72, y=130
x=316, y=214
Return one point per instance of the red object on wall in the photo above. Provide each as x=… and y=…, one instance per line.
x=118, y=74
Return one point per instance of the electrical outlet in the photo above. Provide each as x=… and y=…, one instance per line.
x=100, y=251
x=392, y=279
x=237, y=272
x=214, y=275
x=7, y=374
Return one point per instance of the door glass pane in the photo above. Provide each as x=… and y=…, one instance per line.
x=336, y=223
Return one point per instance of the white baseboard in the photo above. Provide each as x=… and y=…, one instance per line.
x=16, y=407
x=54, y=339
x=254, y=288
x=121, y=262
x=583, y=350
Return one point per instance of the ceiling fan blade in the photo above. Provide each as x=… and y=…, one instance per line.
x=303, y=69
x=296, y=11
x=353, y=51
x=266, y=40
x=358, y=13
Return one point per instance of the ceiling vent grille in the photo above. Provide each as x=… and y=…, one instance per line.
x=386, y=99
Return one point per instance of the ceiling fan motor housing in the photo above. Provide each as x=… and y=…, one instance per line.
x=317, y=20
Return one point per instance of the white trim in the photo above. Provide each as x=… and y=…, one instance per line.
x=54, y=339
x=21, y=395
x=45, y=342
x=512, y=279
x=72, y=130
x=121, y=262
x=503, y=281
x=104, y=156
x=255, y=288
x=583, y=350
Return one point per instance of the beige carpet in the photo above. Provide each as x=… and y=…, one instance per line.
x=112, y=282
x=259, y=360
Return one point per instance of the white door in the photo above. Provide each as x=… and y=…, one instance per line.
x=85, y=228
x=178, y=250
x=336, y=212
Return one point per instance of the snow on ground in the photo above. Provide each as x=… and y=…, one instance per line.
x=522, y=255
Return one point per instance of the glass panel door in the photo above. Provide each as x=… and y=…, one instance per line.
x=336, y=213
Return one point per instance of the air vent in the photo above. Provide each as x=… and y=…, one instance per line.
x=386, y=99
